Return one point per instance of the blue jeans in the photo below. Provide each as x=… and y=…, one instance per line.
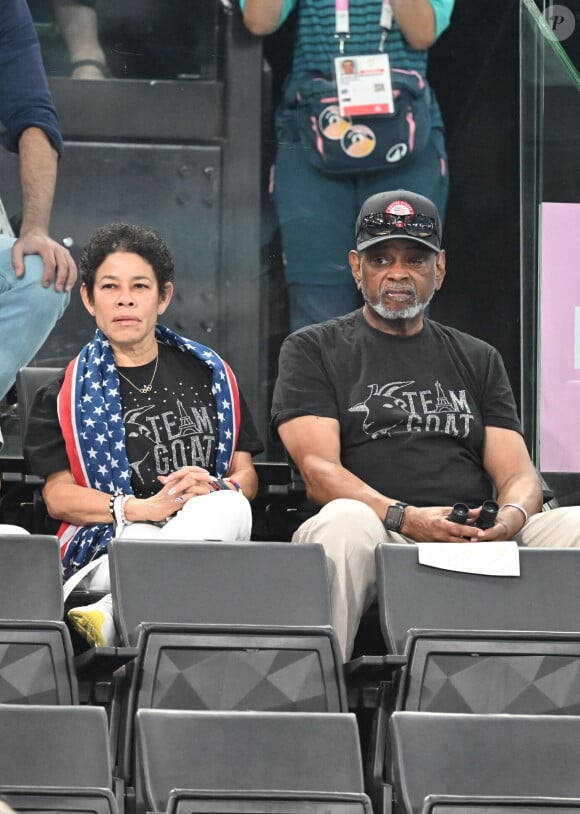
x=317, y=214
x=28, y=313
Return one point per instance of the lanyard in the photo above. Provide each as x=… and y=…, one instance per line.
x=342, y=22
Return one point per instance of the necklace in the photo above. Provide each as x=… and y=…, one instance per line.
x=147, y=388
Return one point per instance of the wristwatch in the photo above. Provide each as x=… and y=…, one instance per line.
x=395, y=517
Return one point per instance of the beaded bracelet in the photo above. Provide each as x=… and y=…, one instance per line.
x=117, y=510
x=112, y=506
x=126, y=498
x=119, y=503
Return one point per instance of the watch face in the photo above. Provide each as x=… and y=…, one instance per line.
x=394, y=517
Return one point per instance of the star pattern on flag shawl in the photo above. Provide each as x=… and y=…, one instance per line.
x=100, y=415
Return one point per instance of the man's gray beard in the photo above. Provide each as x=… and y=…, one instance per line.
x=397, y=313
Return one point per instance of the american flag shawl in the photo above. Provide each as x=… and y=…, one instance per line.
x=90, y=415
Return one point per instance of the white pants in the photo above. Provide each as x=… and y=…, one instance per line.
x=349, y=531
x=225, y=515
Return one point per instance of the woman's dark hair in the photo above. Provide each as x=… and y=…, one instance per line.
x=124, y=237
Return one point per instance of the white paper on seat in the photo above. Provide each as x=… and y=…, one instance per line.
x=495, y=559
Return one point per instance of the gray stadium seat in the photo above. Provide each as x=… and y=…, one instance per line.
x=267, y=802
x=30, y=577
x=244, y=751
x=475, y=643
x=412, y=596
x=481, y=755
x=56, y=800
x=493, y=671
x=54, y=746
x=217, y=583
x=36, y=655
x=28, y=381
x=463, y=804
x=220, y=626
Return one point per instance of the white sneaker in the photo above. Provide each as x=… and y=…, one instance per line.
x=95, y=622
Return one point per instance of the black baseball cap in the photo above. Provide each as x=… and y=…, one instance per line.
x=397, y=214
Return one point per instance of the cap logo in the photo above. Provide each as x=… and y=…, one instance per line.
x=399, y=208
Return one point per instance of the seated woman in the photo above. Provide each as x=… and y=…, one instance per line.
x=145, y=434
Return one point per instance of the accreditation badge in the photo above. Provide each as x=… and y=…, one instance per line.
x=364, y=85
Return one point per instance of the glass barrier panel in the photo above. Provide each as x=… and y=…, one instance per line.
x=135, y=39
x=550, y=211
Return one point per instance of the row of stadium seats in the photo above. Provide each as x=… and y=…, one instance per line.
x=224, y=627
x=309, y=760
x=65, y=750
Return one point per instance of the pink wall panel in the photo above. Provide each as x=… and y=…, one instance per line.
x=560, y=338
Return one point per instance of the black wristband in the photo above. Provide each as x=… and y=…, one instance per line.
x=112, y=506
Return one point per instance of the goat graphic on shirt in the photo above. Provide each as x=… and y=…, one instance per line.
x=397, y=408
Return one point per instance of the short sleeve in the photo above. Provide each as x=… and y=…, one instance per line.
x=44, y=446
x=287, y=7
x=303, y=386
x=499, y=406
x=442, y=10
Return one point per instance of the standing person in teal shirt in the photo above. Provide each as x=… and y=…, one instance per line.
x=312, y=203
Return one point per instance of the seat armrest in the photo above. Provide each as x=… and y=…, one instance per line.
x=366, y=670
x=99, y=663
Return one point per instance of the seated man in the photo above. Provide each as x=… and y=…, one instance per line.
x=392, y=418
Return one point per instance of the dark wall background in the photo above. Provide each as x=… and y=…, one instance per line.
x=474, y=68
